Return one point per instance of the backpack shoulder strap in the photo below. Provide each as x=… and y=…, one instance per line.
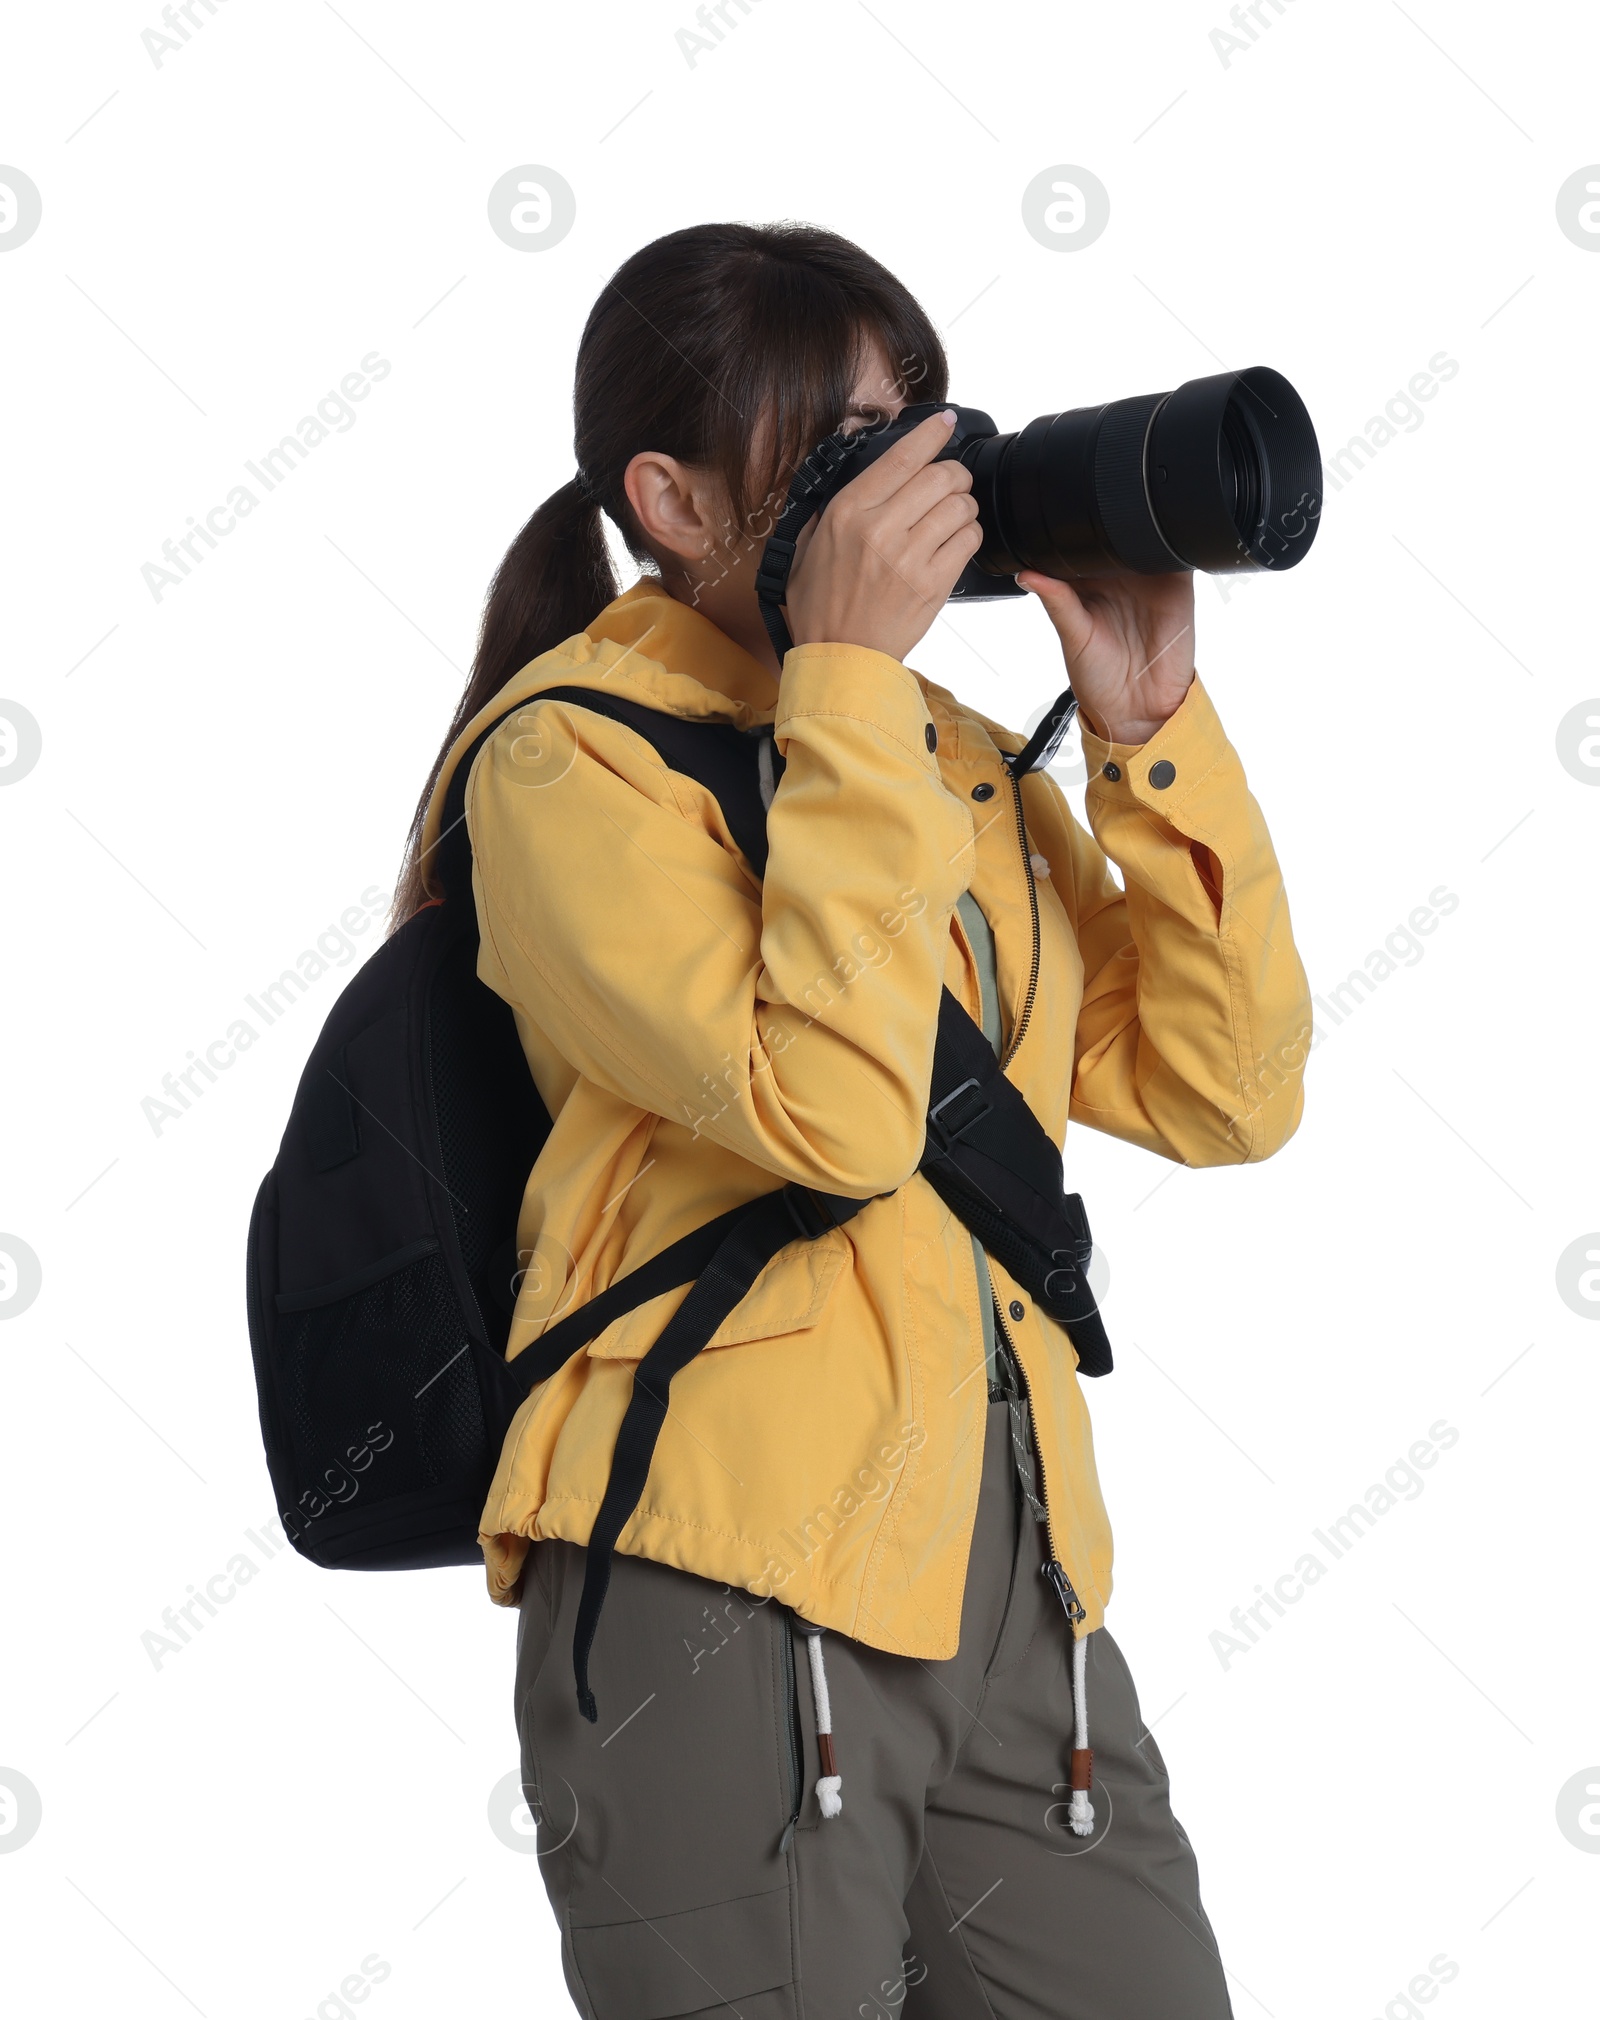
x=987, y=1154
x=998, y=1169
x=717, y=755
x=453, y=868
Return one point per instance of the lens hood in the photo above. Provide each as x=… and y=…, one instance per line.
x=1233, y=473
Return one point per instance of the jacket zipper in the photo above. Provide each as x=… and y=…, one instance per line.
x=1060, y=1584
x=1033, y=907
x=791, y=1698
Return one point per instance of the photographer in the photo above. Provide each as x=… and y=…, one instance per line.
x=852, y=1666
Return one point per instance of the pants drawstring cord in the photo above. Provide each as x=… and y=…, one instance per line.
x=830, y=1782
x=1080, y=1811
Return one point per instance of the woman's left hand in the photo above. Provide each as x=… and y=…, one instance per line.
x=1129, y=646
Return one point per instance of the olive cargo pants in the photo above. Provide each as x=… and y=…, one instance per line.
x=691, y=1869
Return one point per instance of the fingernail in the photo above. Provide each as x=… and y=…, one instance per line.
x=948, y=417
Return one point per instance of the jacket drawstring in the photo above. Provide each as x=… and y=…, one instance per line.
x=830, y=1782
x=1080, y=1811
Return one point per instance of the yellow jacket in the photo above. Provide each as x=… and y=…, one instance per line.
x=700, y=1038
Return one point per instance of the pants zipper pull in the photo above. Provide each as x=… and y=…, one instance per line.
x=1071, y=1604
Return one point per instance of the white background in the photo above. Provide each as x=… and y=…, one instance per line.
x=226, y=770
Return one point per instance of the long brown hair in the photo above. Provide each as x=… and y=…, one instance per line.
x=703, y=345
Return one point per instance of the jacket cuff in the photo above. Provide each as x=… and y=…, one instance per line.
x=1162, y=772
x=857, y=683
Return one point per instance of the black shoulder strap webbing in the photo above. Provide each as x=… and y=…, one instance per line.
x=740, y=1258
x=717, y=754
x=992, y=1162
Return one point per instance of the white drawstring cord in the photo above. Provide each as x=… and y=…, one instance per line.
x=1080, y=1811
x=831, y=1781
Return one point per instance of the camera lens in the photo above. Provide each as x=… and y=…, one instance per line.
x=1221, y=475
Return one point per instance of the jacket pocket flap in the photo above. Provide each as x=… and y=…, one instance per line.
x=787, y=1297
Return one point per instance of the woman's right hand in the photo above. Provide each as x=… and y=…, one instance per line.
x=886, y=553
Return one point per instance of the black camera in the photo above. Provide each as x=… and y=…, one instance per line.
x=1221, y=475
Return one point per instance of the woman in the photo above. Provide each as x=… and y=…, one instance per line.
x=837, y=1699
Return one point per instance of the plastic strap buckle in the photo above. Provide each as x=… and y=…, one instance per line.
x=772, y=577
x=947, y=1122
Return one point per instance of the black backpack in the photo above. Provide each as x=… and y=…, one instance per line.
x=382, y=1253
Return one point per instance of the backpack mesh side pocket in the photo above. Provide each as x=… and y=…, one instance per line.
x=381, y=1416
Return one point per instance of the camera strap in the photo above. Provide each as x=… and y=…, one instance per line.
x=804, y=501
x=1041, y=746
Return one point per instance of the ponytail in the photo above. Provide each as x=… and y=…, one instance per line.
x=555, y=577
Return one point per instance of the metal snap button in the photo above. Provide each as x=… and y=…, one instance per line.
x=1111, y=770
x=983, y=792
x=1162, y=774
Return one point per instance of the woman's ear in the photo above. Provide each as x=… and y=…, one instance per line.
x=672, y=503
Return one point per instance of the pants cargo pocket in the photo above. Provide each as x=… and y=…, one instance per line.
x=666, y=1863
x=703, y=1959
